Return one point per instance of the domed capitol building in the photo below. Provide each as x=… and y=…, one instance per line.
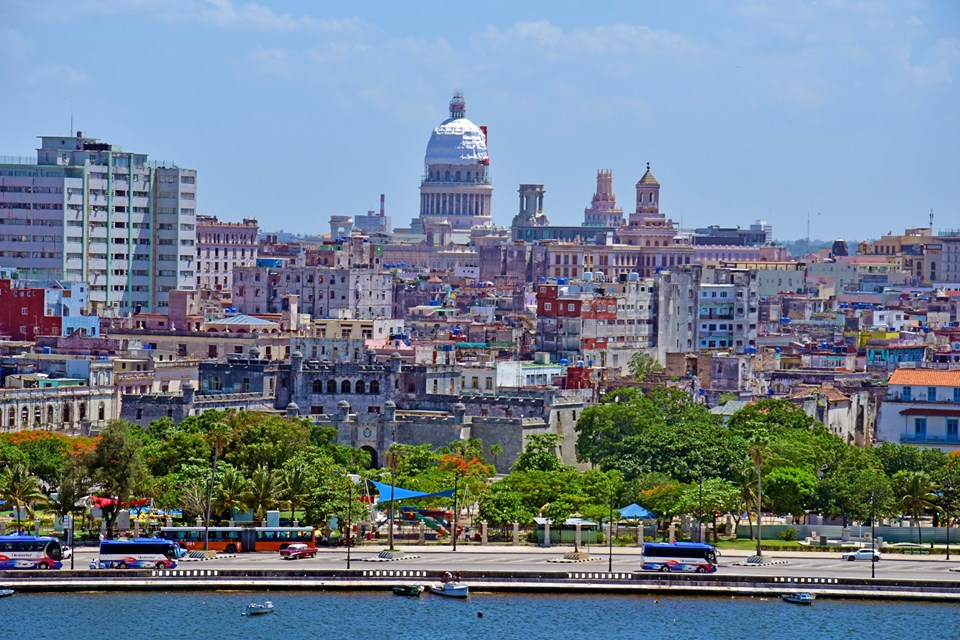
x=456, y=191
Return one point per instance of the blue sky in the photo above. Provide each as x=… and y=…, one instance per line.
x=293, y=111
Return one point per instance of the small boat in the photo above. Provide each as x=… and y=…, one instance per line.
x=6, y=592
x=799, y=598
x=450, y=590
x=257, y=609
x=413, y=590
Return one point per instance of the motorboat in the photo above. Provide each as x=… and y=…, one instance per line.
x=6, y=592
x=257, y=609
x=799, y=598
x=450, y=589
x=412, y=590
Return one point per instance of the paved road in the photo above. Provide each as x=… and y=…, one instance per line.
x=815, y=565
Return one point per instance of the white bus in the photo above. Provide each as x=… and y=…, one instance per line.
x=679, y=556
x=30, y=552
x=140, y=553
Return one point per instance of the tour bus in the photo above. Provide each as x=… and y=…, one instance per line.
x=139, y=553
x=679, y=556
x=236, y=539
x=30, y=552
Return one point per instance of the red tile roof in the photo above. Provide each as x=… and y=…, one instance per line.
x=926, y=378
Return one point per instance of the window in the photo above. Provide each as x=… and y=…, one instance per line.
x=908, y=393
x=931, y=394
x=956, y=394
x=920, y=427
x=952, y=424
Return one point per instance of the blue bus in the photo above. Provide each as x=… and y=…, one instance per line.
x=139, y=553
x=679, y=556
x=30, y=552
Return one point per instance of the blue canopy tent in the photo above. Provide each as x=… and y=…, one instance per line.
x=398, y=493
x=635, y=511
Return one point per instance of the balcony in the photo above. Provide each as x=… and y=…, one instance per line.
x=922, y=438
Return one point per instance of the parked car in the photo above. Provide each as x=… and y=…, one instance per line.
x=66, y=551
x=865, y=553
x=298, y=550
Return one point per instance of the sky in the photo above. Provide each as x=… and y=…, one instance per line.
x=843, y=112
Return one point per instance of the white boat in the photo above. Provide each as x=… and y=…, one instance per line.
x=450, y=590
x=799, y=598
x=6, y=592
x=257, y=609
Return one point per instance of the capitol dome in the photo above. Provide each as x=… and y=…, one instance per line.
x=457, y=140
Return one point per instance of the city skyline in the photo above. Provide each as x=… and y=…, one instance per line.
x=745, y=112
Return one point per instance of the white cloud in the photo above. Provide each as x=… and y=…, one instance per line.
x=609, y=39
x=226, y=13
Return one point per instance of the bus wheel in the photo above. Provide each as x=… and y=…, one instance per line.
x=160, y=566
x=231, y=548
x=701, y=570
x=665, y=568
x=42, y=566
x=121, y=565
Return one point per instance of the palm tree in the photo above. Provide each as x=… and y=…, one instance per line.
x=296, y=486
x=264, y=489
x=218, y=436
x=496, y=450
x=233, y=492
x=20, y=488
x=758, y=450
x=72, y=488
x=918, y=497
x=743, y=474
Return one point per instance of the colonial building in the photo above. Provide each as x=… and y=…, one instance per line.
x=221, y=246
x=922, y=408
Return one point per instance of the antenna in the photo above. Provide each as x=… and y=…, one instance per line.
x=931, y=220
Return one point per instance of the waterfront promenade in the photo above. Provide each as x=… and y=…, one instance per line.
x=521, y=568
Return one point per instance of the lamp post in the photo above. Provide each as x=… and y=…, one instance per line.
x=949, y=500
x=349, y=518
x=873, y=537
x=610, y=540
x=456, y=512
x=393, y=466
x=700, y=513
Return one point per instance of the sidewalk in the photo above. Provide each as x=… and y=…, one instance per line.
x=600, y=549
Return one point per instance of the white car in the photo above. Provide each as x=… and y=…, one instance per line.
x=66, y=551
x=865, y=553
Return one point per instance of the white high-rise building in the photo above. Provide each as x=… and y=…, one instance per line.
x=88, y=211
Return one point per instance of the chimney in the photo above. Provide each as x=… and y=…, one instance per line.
x=381, y=206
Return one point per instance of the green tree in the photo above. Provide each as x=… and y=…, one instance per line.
x=791, y=490
x=296, y=485
x=116, y=467
x=540, y=453
x=233, y=492
x=915, y=496
x=496, y=450
x=642, y=366
x=73, y=487
x=264, y=490
x=20, y=489
x=744, y=477
x=715, y=496
x=758, y=450
x=855, y=487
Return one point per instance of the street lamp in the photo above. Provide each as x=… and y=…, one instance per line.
x=456, y=513
x=949, y=499
x=393, y=467
x=610, y=539
x=349, y=519
x=873, y=537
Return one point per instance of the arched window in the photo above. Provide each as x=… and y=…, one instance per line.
x=66, y=413
x=458, y=175
x=360, y=387
x=11, y=417
x=345, y=386
x=374, y=387
x=49, y=415
x=101, y=412
x=318, y=386
x=446, y=175
x=24, y=417
x=331, y=386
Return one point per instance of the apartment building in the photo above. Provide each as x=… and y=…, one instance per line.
x=87, y=211
x=221, y=246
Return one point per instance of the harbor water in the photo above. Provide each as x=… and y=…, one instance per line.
x=216, y=615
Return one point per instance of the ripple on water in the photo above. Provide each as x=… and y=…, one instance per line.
x=381, y=616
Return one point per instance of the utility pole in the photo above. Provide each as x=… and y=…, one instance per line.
x=349, y=518
x=873, y=537
x=456, y=511
x=610, y=539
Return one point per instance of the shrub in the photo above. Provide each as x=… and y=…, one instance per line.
x=788, y=534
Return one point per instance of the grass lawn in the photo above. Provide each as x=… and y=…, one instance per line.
x=746, y=544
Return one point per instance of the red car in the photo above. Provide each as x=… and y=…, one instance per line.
x=298, y=550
